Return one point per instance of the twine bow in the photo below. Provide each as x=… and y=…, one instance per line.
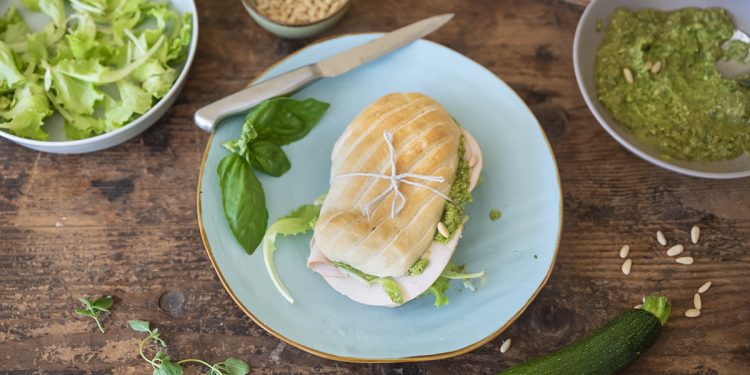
x=396, y=180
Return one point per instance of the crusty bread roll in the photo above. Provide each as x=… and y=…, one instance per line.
x=426, y=140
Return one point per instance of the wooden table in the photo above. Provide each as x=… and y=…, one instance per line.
x=123, y=221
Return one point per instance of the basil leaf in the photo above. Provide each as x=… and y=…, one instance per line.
x=243, y=200
x=285, y=120
x=269, y=158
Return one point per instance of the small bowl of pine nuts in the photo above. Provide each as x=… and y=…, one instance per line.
x=294, y=19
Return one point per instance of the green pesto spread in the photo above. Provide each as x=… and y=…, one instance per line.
x=453, y=215
x=354, y=271
x=495, y=215
x=419, y=267
x=736, y=50
x=683, y=107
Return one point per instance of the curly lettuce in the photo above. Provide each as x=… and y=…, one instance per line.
x=99, y=66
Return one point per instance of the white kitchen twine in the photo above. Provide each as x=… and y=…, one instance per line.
x=396, y=180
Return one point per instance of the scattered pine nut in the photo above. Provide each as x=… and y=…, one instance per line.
x=695, y=234
x=697, y=301
x=704, y=287
x=692, y=313
x=660, y=238
x=649, y=65
x=656, y=68
x=626, y=266
x=684, y=260
x=505, y=346
x=638, y=306
x=473, y=161
x=628, y=75
x=624, y=251
x=443, y=229
x=675, y=250
x=644, y=299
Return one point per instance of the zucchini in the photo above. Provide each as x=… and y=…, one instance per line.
x=609, y=348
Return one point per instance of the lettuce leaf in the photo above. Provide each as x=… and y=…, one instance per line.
x=13, y=28
x=82, y=126
x=451, y=272
x=438, y=289
x=129, y=45
x=179, y=41
x=82, y=41
x=297, y=222
x=73, y=94
x=35, y=51
x=9, y=74
x=29, y=109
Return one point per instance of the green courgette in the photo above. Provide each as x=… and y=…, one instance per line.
x=608, y=349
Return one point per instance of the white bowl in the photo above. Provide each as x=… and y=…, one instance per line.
x=585, y=45
x=59, y=144
x=294, y=31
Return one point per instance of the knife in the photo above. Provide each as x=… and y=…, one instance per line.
x=207, y=117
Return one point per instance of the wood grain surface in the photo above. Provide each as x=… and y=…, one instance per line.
x=128, y=227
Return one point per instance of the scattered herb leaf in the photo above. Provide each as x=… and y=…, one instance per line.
x=94, y=308
x=164, y=365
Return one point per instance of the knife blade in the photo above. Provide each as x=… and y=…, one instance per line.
x=208, y=116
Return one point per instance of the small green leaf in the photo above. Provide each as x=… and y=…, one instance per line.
x=140, y=325
x=167, y=367
x=86, y=312
x=86, y=302
x=234, y=366
x=103, y=303
x=156, y=336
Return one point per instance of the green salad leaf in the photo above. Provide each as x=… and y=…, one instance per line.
x=451, y=272
x=73, y=94
x=297, y=222
x=9, y=74
x=103, y=64
x=243, y=200
x=26, y=116
x=438, y=289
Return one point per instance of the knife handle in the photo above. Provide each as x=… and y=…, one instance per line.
x=207, y=117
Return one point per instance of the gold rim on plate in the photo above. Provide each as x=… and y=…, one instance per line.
x=318, y=353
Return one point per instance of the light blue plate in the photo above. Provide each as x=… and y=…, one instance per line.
x=516, y=252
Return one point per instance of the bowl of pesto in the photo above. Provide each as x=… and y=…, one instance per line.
x=648, y=72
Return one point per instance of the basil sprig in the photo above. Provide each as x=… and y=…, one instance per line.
x=274, y=123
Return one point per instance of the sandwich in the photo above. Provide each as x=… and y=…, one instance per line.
x=385, y=233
